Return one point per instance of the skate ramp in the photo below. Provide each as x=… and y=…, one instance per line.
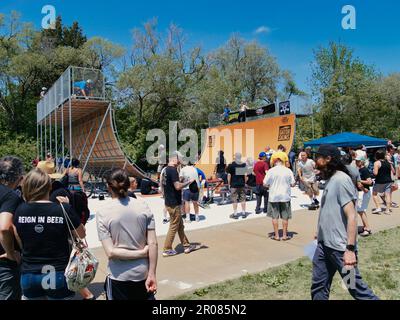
x=249, y=138
x=104, y=153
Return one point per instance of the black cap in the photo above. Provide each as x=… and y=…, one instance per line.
x=328, y=150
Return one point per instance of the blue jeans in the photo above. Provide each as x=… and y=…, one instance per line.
x=325, y=264
x=39, y=286
x=10, y=288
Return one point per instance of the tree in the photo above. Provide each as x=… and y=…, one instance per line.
x=26, y=65
x=343, y=87
x=249, y=71
x=290, y=87
x=160, y=76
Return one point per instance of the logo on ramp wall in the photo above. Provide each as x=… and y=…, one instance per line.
x=284, y=133
x=211, y=141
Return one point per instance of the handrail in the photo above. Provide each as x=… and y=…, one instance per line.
x=62, y=89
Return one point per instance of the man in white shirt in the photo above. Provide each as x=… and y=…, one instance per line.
x=191, y=192
x=306, y=171
x=279, y=180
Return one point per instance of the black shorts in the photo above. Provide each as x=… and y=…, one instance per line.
x=126, y=290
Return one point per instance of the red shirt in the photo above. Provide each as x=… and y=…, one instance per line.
x=259, y=169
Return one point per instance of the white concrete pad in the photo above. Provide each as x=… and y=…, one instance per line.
x=214, y=216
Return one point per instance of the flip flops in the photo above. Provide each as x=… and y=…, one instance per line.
x=275, y=239
x=286, y=239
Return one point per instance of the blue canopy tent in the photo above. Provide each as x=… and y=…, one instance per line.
x=348, y=139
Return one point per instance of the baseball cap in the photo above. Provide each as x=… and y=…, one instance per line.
x=262, y=155
x=360, y=156
x=328, y=150
x=279, y=155
x=49, y=168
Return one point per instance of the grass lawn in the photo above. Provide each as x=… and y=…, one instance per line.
x=379, y=264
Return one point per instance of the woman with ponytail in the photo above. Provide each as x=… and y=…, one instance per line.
x=126, y=229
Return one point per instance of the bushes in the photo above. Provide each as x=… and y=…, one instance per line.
x=20, y=146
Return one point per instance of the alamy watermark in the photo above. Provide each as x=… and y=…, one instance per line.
x=49, y=20
x=349, y=21
x=212, y=141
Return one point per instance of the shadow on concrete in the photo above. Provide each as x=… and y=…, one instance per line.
x=290, y=234
x=181, y=250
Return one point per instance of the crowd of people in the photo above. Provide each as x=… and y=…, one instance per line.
x=348, y=181
x=376, y=180
x=35, y=244
x=35, y=241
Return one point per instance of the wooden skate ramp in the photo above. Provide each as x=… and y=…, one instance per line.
x=107, y=154
x=249, y=138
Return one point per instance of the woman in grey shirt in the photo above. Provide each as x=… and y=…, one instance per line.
x=126, y=230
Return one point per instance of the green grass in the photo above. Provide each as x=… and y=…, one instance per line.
x=379, y=264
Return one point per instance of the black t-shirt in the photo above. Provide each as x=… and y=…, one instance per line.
x=221, y=165
x=9, y=202
x=172, y=196
x=238, y=174
x=365, y=175
x=59, y=191
x=145, y=187
x=44, y=234
x=251, y=180
x=384, y=174
x=131, y=194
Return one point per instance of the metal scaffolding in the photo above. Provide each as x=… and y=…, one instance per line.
x=75, y=83
x=74, y=119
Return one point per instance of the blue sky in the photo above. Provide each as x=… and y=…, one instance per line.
x=291, y=29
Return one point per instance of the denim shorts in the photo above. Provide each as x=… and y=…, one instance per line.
x=382, y=188
x=190, y=196
x=39, y=286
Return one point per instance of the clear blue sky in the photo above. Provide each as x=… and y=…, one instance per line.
x=293, y=28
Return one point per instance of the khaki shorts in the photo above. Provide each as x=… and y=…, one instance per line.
x=238, y=195
x=278, y=210
x=311, y=187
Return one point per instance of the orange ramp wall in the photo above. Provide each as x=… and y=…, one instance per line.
x=249, y=138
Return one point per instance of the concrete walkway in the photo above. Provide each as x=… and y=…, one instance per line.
x=232, y=250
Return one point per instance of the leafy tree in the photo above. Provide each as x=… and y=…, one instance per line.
x=342, y=86
x=249, y=71
x=18, y=146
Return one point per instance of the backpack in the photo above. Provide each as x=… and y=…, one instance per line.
x=80, y=205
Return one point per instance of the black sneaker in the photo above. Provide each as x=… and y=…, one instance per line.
x=258, y=211
x=316, y=202
x=234, y=216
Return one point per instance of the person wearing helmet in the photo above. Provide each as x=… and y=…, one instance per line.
x=43, y=92
x=83, y=88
